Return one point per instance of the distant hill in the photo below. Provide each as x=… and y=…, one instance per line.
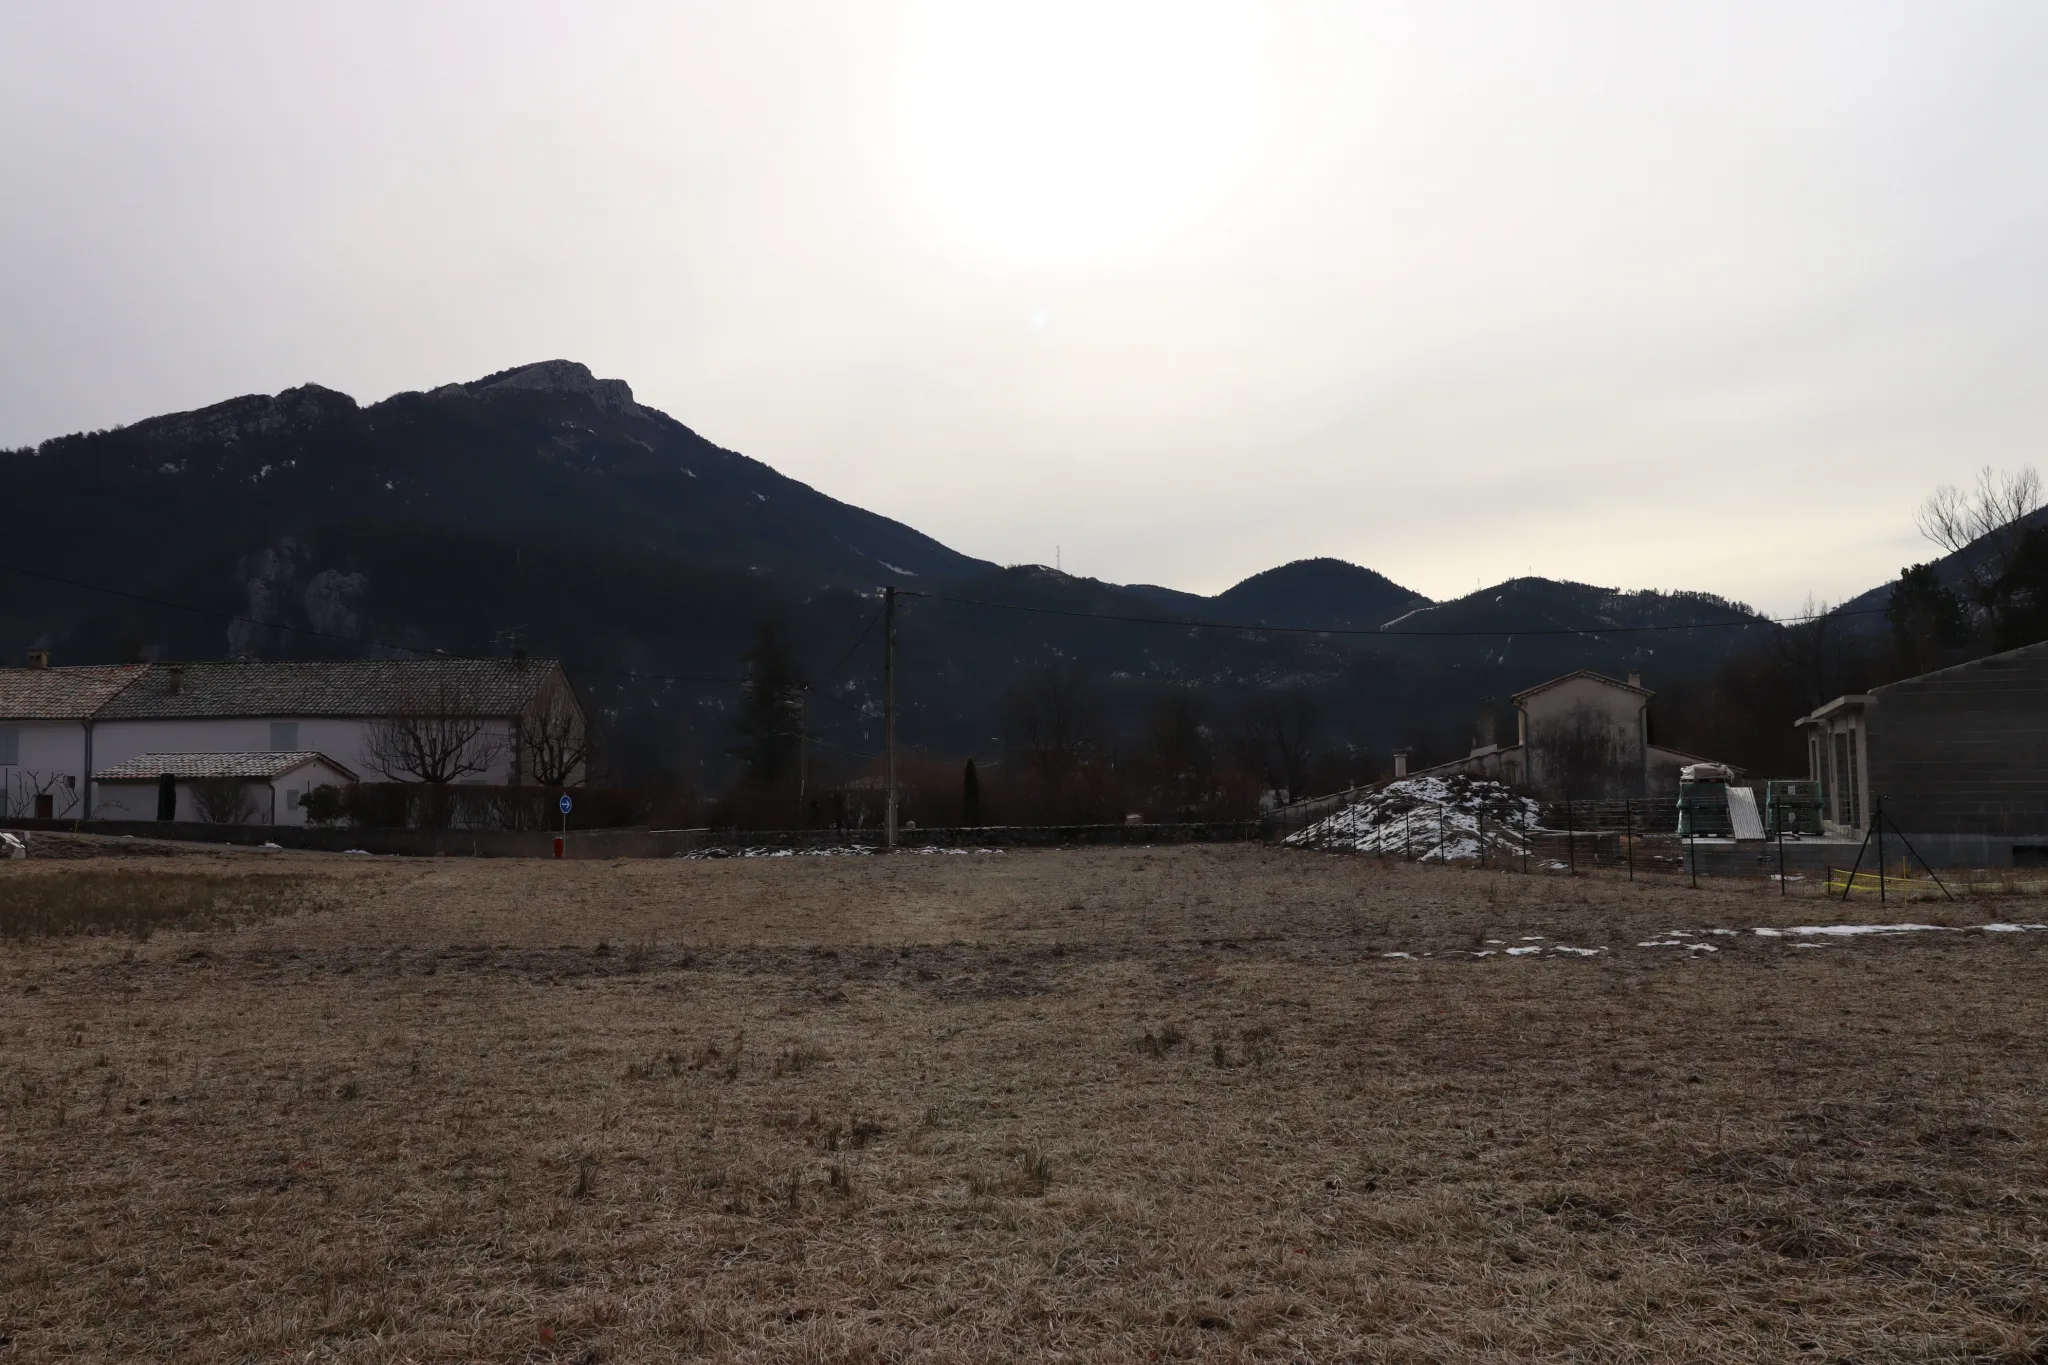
x=1326, y=594
x=1865, y=612
x=1529, y=605
x=544, y=451
x=1315, y=594
x=544, y=508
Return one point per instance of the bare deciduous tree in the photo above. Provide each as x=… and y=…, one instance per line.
x=26, y=784
x=222, y=801
x=438, y=735
x=1177, y=747
x=1991, y=512
x=554, y=742
x=1585, y=757
x=1051, y=721
x=1279, y=732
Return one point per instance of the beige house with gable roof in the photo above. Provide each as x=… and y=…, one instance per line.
x=1582, y=735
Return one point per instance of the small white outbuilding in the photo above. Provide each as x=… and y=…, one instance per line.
x=262, y=788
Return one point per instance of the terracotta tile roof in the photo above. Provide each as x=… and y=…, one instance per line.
x=264, y=764
x=346, y=687
x=62, y=693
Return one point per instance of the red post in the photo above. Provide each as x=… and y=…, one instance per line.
x=558, y=846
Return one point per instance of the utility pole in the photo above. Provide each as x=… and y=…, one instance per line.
x=802, y=755
x=889, y=712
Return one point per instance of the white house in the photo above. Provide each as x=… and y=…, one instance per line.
x=46, y=735
x=495, y=721
x=240, y=788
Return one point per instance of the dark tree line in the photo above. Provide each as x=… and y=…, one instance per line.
x=1987, y=594
x=1063, y=757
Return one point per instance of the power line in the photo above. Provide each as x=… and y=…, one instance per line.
x=833, y=672
x=1355, y=630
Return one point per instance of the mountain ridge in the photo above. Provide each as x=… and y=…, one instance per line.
x=545, y=449
x=543, y=507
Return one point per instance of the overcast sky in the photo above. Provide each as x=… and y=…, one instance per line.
x=1652, y=295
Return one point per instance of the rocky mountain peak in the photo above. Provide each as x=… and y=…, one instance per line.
x=559, y=377
x=251, y=417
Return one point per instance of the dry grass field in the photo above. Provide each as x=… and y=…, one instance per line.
x=1104, y=1105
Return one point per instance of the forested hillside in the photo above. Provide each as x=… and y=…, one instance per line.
x=544, y=509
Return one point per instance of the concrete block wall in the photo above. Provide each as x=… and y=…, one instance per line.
x=1965, y=751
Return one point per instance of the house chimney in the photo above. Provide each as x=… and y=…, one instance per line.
x=1401, y=762
x=39, y=658
x=174, y=679
x=519, y=658
x=1635, y=679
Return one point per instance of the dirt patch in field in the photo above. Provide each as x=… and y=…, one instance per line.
x=1117, y=1105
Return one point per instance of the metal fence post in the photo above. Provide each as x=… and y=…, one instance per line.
x=1571, y=845
x=1781, y=854
x=1628, y=826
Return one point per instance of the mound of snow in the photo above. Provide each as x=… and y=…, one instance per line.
x=1431, y=819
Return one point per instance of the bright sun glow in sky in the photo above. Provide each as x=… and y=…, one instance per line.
x=1076, y=134
x=1679, y=296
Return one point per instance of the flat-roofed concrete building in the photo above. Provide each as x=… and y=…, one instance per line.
x=1959, y=757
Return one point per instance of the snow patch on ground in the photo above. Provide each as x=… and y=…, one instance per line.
x=1848, y=930
x=1689, y=940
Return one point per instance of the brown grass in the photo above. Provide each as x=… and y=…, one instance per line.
x=1116, y=1105
x=39, y=903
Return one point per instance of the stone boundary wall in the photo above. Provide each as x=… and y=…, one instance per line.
x=993, y=836
x=632, y=843
x=414, y=843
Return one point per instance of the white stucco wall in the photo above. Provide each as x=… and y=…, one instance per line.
x=344, y=741
x=136, y=800
x=48, y=752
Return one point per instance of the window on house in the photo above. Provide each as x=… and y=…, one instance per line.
x=292, y=796
x=284, y=735
x=10, y=745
